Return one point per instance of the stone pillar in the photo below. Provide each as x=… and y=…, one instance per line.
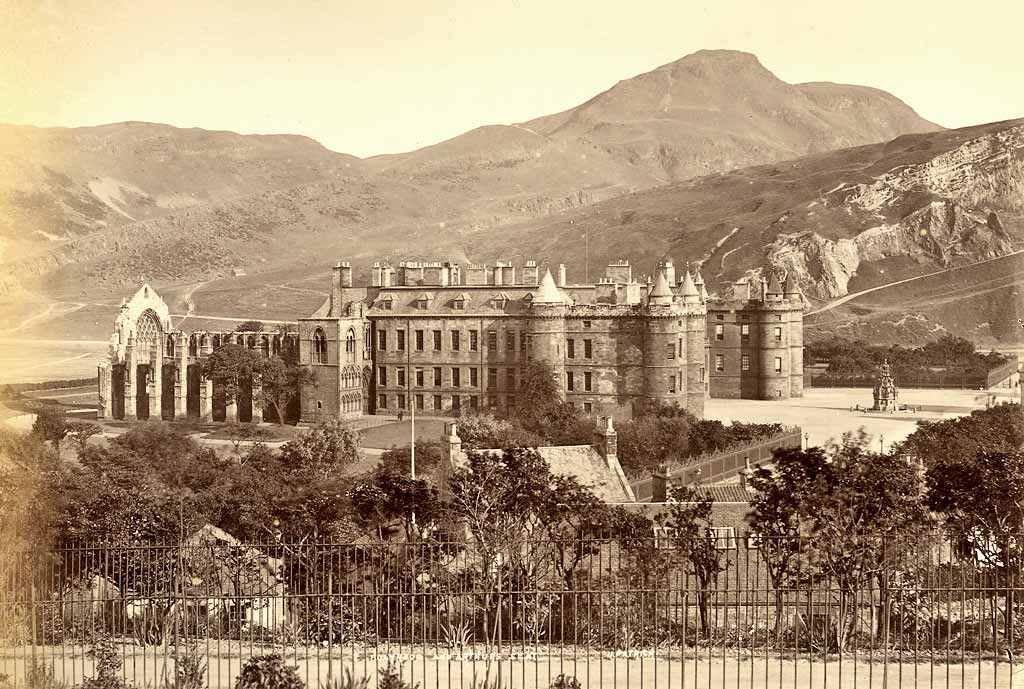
x=231, y=411
x=130, y=372
x=156, y=386
x=104, y=398
x=257, y=407
x=205, y=400
x=181, y=378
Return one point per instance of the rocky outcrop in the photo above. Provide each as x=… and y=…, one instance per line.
x=942, y=212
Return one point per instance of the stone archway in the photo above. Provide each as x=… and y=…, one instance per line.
x=148, y=355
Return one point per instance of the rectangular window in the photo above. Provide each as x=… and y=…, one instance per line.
x=753, y=541
x=511, y=402
x=588, y=407
x=510, y=340
x=702, y=374
x=474, y=343
x=670, y=352
x=382, y=340
x=419, y=340
x=510, y=379
x=672, y=382
x=719, y=363
x=586, y=324
x=437, y=402
x=719, y=332
x=745, y=332
x=570, y=381
x=492, y=378
x=778, y=334
x=492, y=401
x=492, y=341
x=778, y=316
x=588, y=379
x=419, y=377
x=725, y=537
x=570, y=348
x=455, y=341
x=778, y=364
x=474, y=377
x=400, y=374
x=588, y=349
x=419, y=402
x=663, y=536
x=474, y=403
x=744, y=362
x=437, y=340
x=401, y=402
x=719, y=317
x=456, y=403
x=437, y=376
x=382, y=401
x=401, y=340
x=456, y=377
x=382, y=376
x=522, y=341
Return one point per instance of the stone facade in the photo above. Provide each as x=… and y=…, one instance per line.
x=449, y=339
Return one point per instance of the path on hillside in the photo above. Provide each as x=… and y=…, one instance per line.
x=849, y=297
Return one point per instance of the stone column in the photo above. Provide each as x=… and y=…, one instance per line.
x=205, y=386
x=257, y=407
x=181, y=379
x=130, y=372
x=156, y=374
x=104, y=401
x=230, y=411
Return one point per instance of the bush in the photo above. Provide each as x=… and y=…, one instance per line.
x=108, y=667
x=268, y=672
x=563, y=682
x=390, y=679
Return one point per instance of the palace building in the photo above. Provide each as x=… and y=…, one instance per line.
x=445, y=338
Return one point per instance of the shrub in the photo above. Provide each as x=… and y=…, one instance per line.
x=390, y=679
x=349, y=682
x=108, y=667
x=268, y=672
x=563, y=682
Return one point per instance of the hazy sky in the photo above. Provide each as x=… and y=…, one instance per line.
x=380, y=76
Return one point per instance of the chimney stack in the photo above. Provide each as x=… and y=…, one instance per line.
x=561, y=275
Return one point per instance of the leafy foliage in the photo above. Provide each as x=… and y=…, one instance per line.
x=50, y=425
x=859, y=358
x=328, y=450
x=268, y=672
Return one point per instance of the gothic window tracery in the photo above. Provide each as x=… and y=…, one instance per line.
x=319, y=347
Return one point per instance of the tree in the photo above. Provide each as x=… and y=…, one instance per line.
x=864, y=509
x=250, y=327
x=997, y=429
x=229, y=366
x=484, y=431
x=693, y=542
x=51, y=425
x=328, y=450
x=428, y=459
x=281, y=382
x=541, y=411
x=81, y=431
x=981, y=499
x=776, y=517
x=391, y=496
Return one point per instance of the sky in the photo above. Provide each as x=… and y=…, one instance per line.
x=380, y=76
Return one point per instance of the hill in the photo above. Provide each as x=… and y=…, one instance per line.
x=104, y=207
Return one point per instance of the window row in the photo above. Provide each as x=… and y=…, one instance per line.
x=570, y=348
x=318, y=347
x=745, y=363
x=745, y=332
x=512, y=340
x=444, y=403
x=434, y=376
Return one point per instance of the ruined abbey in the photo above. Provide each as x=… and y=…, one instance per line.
x=443, y=338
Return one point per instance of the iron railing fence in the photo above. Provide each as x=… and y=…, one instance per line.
x=630, y=612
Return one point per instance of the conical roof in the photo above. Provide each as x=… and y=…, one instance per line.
x=661, y=286
x=689, y=289
x=547, y=292
x=773, y=285
x=791, y=286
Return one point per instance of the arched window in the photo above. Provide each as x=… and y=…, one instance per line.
x=251, y=342
x=350, y=346
x=216, y=341
x=170, y=346
x=275, y=346
x=319, y=347
x=265, y=345
x=240, y=340
x=193, y=349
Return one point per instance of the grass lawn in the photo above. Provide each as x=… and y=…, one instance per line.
x=397, y=434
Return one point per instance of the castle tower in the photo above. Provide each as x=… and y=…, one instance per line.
x=693, y=337
x=773, y=338
x=664, y=346
x=547, y=327
x=795, y=322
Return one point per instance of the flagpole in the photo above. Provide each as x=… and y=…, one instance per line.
x=412, y=448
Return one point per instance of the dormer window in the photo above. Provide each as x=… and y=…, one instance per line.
x=386, y=302
x=423, y=301
x=500, y=300
x=460, y=301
